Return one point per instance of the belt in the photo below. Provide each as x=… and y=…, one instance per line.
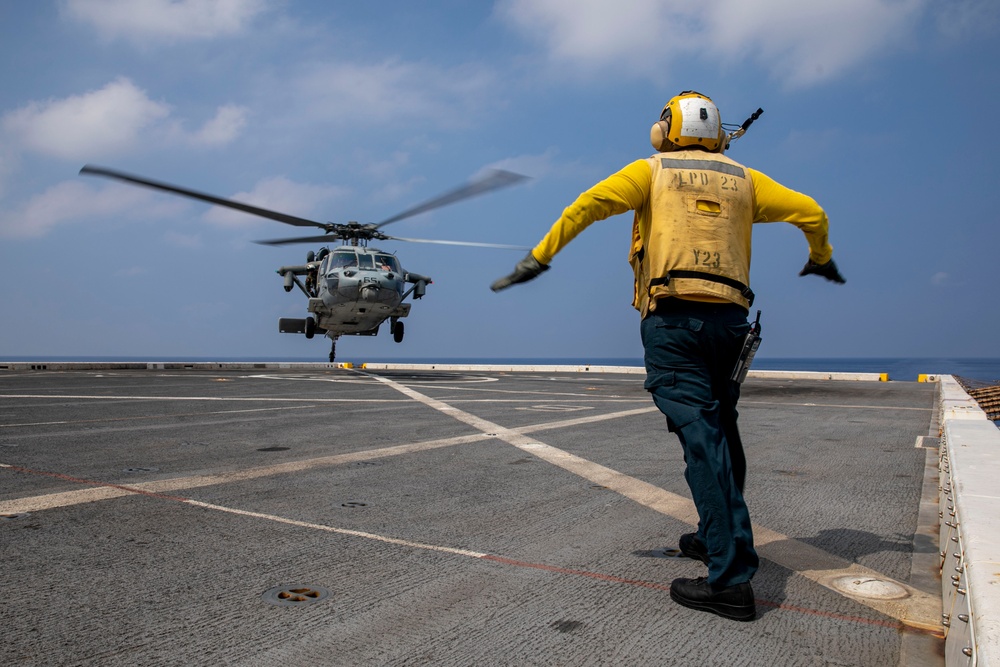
x=744, y=290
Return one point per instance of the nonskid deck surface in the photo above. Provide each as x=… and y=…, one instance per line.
x=349, y=517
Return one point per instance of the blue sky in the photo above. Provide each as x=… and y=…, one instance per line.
x=337, y=111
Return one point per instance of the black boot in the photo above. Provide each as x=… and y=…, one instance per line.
x=692, y=547
x=732, y=602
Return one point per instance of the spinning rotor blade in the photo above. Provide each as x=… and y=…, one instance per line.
x=494, y=179
x=472, y=244
x=301, y=239
x=211, y=199
x=384, y=237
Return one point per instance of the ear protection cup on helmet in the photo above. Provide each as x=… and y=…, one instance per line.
x=658, y=137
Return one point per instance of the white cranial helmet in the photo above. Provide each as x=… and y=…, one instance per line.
x=689, y=120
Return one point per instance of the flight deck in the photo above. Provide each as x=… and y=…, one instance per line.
x=323, y=515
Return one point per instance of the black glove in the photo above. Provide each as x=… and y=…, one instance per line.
x=828, y=271
x=526, y=269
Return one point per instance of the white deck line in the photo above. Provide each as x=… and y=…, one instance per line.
x=495, y=368
x=970, y=529
x=819, y=375
x=508, y=368
x=626, y=370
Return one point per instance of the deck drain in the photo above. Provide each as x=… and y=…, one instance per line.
x=13, y=516
x=141, y=470
x=354, y=503
x=566, y=626
x=273, y=449
x=295, y=596
x=869, y=587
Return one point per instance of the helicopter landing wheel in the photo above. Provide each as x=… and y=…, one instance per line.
x=397, y=332
x=333, y=351
x=310, y=327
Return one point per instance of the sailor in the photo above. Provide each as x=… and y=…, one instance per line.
x=691, y=239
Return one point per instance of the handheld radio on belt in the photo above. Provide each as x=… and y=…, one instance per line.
x=750, y=345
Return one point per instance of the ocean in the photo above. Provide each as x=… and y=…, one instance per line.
x=986, y=370
x=902, y=369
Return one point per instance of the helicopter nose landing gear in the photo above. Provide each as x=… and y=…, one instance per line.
x=397, y=331
x=333, y=350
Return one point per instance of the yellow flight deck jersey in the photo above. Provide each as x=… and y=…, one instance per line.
x=693, y=213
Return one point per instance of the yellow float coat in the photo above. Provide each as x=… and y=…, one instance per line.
x=633, y=188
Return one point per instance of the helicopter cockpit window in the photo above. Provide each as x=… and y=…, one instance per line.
x=365, y=262
x=343, y=259
x=387, y=263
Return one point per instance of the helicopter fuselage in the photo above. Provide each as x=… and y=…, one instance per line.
x=351, y=291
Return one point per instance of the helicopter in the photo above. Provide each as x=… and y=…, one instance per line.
x=353, y=288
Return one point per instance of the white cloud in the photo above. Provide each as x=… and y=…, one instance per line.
x=806, y=42
x=95, y=124
x=595, y=31
x=799, y=42
x=111, y=121
x=223, y=128
x=139, y=20
x=966, y=18
x=73, y=201
x=279, y=194
x=940, y=278
x=393, y=92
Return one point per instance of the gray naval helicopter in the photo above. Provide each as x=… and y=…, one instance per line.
x=353, y=288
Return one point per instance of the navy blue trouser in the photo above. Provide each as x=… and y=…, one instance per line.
x=691, y=349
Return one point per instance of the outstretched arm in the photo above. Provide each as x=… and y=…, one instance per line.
x=774, y=202
x=623, y=191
